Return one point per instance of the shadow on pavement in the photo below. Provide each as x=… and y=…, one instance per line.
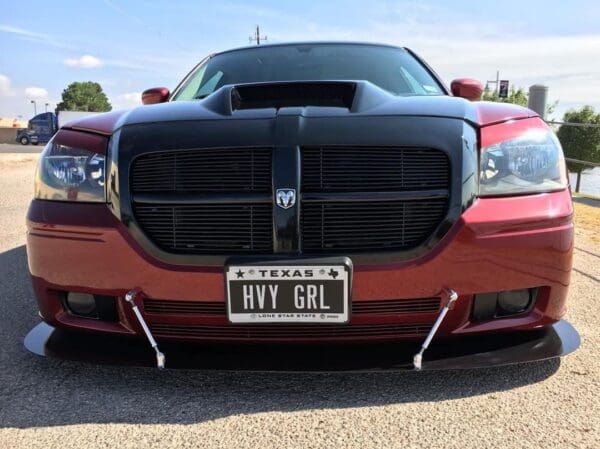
x=38, y=392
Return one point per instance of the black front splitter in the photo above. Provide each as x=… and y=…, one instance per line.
x=457, y=353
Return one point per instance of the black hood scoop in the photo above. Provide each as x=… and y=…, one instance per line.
x=293, y=94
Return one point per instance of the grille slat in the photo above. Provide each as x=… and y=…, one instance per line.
x=342, y=226
x=380, y=307
x=342, y=169
x=203, y=171
x=200, y=229
x=288, y=331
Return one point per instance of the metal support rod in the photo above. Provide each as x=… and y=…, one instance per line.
x=418, y=358
x=160, y=357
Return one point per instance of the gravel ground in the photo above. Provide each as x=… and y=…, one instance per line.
x=18, y=148
x=45, y=403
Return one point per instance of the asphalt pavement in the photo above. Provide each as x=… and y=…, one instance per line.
x=47, y=403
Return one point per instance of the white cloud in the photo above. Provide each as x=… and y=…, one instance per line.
x=5, y=87
x=32, y=36
x=127, y=100
x=35, y=93
x=84, y=62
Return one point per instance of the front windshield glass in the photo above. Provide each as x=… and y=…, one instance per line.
x=392, y=69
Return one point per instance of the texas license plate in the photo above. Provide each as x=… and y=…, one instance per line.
x=288, y=294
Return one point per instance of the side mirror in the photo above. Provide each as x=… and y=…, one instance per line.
x=155, y=95
x=467, y=88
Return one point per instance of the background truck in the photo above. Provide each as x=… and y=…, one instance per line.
x=42, y=127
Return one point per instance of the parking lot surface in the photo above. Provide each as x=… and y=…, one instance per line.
x=47, y=403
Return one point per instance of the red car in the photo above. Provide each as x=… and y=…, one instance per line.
x=293, y=194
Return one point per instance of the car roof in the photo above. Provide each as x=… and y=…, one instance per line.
x=294, y=44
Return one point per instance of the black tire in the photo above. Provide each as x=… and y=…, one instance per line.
x=24, y=140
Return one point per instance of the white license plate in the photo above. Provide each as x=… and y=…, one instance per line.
x=288, y=294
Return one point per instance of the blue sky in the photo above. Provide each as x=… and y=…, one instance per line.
x=128, y=46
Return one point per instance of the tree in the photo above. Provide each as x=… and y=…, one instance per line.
x=582, y=143
x=84, y=96
x=515, y=96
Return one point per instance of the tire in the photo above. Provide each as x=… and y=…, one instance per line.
x=24, y=140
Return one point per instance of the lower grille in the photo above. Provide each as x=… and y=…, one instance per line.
x=369, y=226
x=288, y=331
x=205, y=229
x=379, y=307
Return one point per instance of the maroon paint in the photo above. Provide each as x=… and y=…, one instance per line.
x=155, y=95
x=498, y=244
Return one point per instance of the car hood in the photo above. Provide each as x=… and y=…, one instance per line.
x=306, y=99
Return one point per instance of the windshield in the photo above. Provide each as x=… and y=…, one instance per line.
x=392, y=69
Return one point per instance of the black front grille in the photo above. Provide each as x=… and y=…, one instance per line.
x=203, y=170
x=204, y=201
x=353, y=199
x=363, y=225
x=208, y=228
x=363, y=169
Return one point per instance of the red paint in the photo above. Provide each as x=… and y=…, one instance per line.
x=155, y=95
x=467, y=88
x=99, y=124
x=92, y=142
x=498, y=244
x=490, y=113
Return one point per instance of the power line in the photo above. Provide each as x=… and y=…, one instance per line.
x=577, y=125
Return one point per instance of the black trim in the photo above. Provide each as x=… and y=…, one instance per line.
x=286, y=222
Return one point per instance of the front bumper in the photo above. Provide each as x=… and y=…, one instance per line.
x=498, y=244
x=552, y=341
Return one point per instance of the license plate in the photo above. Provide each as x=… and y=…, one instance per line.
x=288, y=293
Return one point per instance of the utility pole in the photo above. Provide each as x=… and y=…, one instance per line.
x=496, y=82
x=257, y=37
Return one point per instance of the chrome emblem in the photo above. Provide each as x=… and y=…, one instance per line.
x=286, y=198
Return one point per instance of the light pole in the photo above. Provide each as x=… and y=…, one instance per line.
x=47, y=104
x=34, y=107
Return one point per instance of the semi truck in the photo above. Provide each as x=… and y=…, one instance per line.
x=42, y=127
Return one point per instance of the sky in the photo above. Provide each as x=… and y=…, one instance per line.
x=128, y=46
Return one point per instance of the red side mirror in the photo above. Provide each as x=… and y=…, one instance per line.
x=155, y=95
x=467, y=88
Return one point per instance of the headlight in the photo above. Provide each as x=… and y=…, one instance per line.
x=67, y=173
x=531, y=162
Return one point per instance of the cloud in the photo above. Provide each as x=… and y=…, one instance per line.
x=5, y=87
x=21, y=31
x=127, y=100
x=32, y=36
x=84, y=62
x=35, y=93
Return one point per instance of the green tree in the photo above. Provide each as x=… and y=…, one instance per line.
x=582, y=143
x=515, y=96
x=84, y=96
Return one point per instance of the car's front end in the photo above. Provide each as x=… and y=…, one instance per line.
x=251, y=218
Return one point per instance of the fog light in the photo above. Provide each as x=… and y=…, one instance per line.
x=82, y=304
x=514, y=301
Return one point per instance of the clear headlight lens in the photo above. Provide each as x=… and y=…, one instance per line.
x=70, y=174
x=530, y=163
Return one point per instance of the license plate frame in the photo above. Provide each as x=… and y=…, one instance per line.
x=330, y=279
